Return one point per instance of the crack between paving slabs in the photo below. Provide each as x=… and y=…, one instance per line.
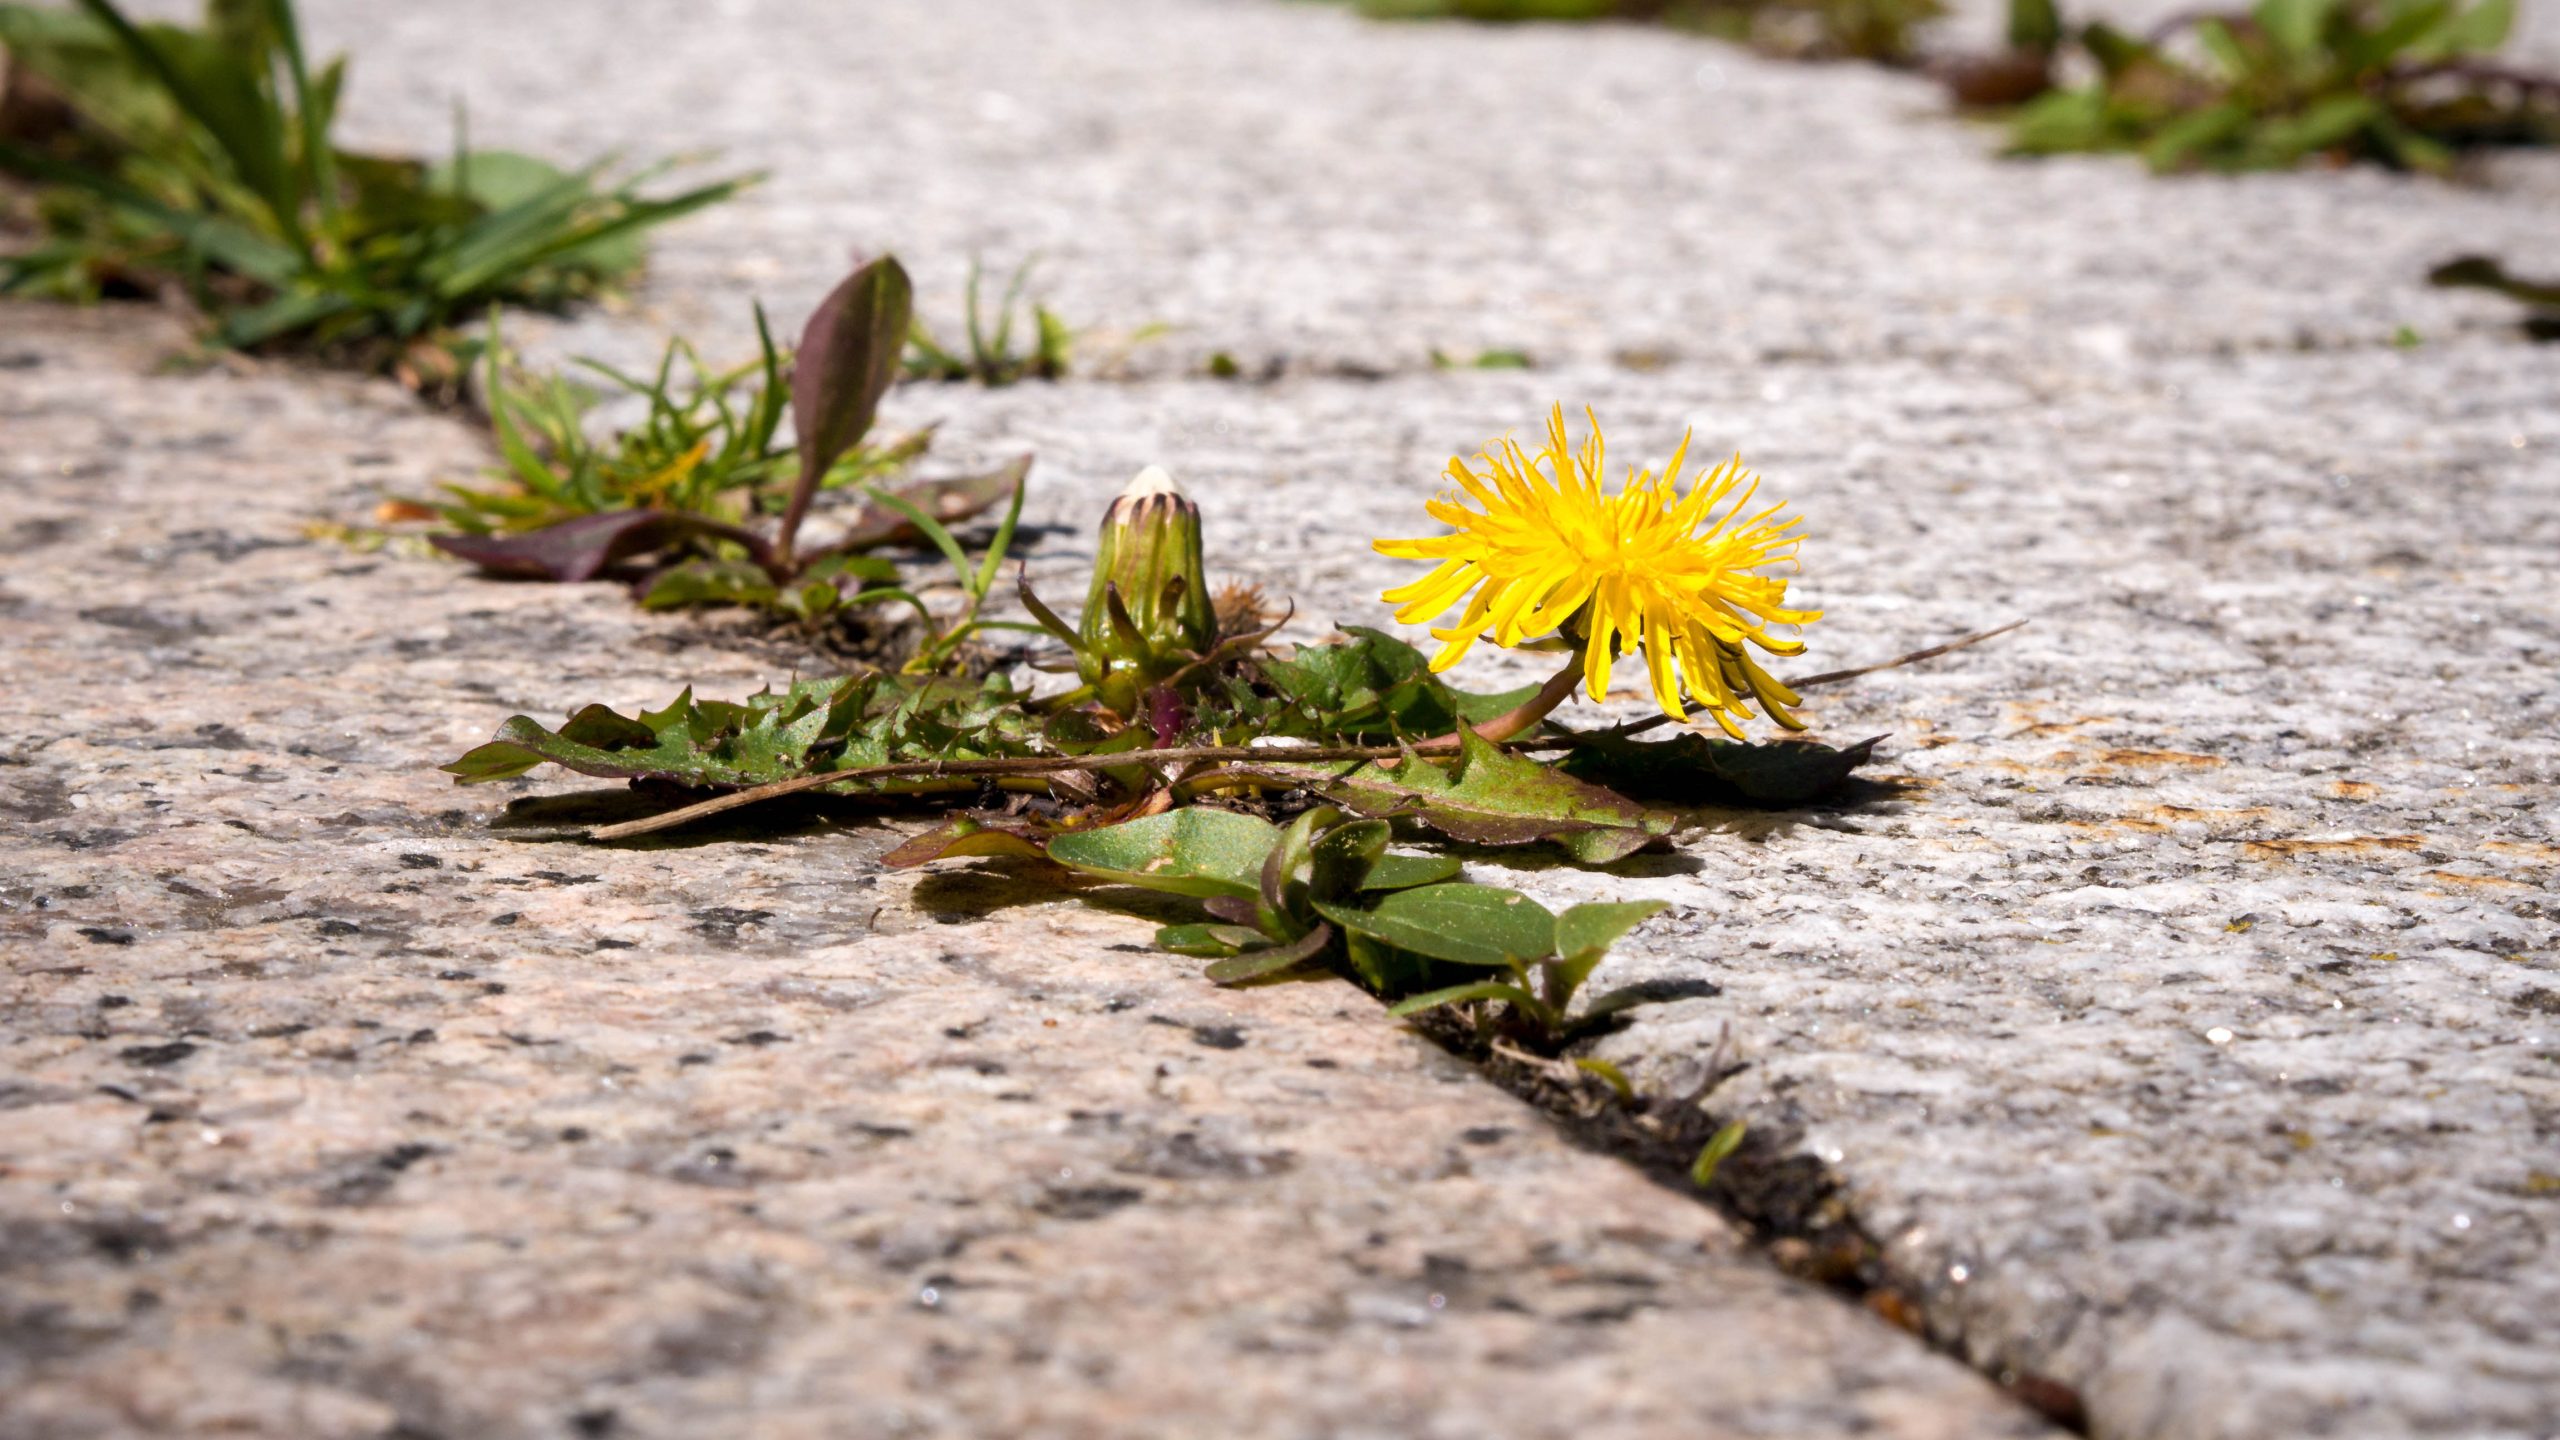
x=1787, y=1204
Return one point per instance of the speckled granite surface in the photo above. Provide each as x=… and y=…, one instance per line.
x=334, y=1102
x=2184, y=1031
x=1284, y=184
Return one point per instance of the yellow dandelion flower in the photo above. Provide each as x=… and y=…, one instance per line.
x=1651, y=568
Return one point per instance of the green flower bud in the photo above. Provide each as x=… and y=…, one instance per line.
x=1148, y=613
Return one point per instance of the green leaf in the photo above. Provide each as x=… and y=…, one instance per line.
x=2197, y=132
x=1487, y=797
x=204, y=159
x=2412, y=28
x=862, y=569
x=292, y=311
x=711, y=582
x=2294, y=25
x=1191, y=851
x=2116, y=52
x=1455, y=921
x=1459, y=994
x=1610, y=1075
x=2413, y=151
x=221, y=241
x=2480, y=29
x=497, y=180
x=2061, y=122
x=812, y=727
x=1375, y=685
x=1343, y=855
x=1584, y=934
x=1386, y=970
x=1593, y=928
x=315, y=103
x=965, y=837
x=1716, y=1151
x=1692, y=769
x=2326, y=124
x=229, y=99
x=249, y=29
x=2034, y=25
x=1404, y=872
x=1279, y=895
x=847, y=358
x=1272, y=961
x=504, y=255
x=1207, y=941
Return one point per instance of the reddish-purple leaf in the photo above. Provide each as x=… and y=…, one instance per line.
x=586, y=547
x=847, y=358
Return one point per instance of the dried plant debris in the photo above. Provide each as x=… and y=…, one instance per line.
x=197, y=162
x=2405, y=83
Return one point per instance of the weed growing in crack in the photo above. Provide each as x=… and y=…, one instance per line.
x=701, y=503
x=1864, y=29
x=197, y=162
x=707, y=443
x=2406, y=83
x=1193, y=756
x=1018, y=338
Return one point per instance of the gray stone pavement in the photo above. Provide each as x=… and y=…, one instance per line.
x=2184, y=1031
x=1279, y=182
x=334, y=1103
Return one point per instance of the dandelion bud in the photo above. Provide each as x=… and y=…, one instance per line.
x=1149, y=611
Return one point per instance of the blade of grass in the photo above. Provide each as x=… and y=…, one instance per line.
x=294, y=310
x=319, y=162
x=249, y=136
x=1003, y=540
x=223, y=241
x=932, y=530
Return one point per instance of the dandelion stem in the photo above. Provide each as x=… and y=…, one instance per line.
x=1521, y=718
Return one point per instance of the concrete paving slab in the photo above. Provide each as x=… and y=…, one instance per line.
x=341, y=1103
x=2183, y=1034
x=1286, y=184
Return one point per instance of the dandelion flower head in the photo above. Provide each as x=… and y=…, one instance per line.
x=1675, y=574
